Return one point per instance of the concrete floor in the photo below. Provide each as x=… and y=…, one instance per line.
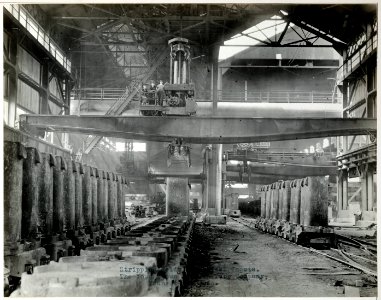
x=263, y=265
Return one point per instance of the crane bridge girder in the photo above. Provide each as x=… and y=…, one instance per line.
x=200, y=130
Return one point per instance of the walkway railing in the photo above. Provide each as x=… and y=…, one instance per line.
x=97, y=93
x=31, y=25
x=272, y=96
x=100, y=94
x=277, y=96
x=361, y=54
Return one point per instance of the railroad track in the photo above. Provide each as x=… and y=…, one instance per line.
x=366, y=263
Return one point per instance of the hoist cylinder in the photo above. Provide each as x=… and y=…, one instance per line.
x=179, y=63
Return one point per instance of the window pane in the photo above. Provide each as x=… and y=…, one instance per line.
x=29, y=65
x=5, y=112
x=19, y=111
x=54, y=108
x=28, y=97
x=6, y=85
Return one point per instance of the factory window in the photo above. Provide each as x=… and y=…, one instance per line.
x=27, y=97
x=54, y=108
x=6, y=44
x=252, y=36
x=6, y=85
x=312, y=149
x=54, y=88
x=29, y=65
x=20, y=111
x=5, y=112
x=237, y=186
x=325, y=143
x=137, y=147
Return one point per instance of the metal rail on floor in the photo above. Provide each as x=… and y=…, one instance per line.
x=349, y=263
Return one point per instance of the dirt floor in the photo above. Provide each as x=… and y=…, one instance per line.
x=235, y=261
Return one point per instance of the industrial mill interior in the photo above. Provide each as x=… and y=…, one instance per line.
x=183, y=149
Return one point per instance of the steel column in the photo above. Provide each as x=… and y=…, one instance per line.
x=345, y=189
x=370, y=190
x=364, y=196
x=340, y=191
x=215, y=180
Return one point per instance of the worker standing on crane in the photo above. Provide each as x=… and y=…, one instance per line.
x=160, y=92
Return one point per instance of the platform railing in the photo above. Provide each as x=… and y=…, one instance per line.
x=32, y=26
x=281, y=96
x=97, y=94
x=355, y=60
x=102, y=94
x=278, y=96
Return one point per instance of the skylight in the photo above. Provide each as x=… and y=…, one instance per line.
x=265, y=32
x=137, y=147
x=237, y=186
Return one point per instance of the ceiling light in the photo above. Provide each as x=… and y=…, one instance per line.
x=285, y=13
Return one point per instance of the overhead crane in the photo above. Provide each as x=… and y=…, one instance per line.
x=200, y=130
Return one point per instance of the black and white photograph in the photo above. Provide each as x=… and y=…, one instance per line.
x=189, y=149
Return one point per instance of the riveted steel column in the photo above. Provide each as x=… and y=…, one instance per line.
x=215, y=180
x=211, y=182
x=340, y=190
x=14, y=154
x=364, y=191
x=218, y=178
x=204, y=194
x=345, y=189
x=215, y=51
x=370, y=189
